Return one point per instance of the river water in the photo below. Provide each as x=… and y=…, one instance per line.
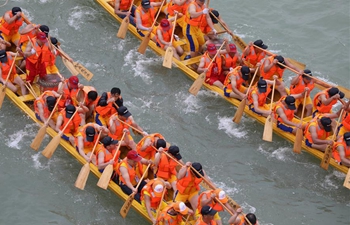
x=265, y=178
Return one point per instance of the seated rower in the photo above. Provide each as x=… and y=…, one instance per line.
x=145, y=14
x=51, y=67
x=69, y=89
x=206, y=216
x=117, y=128
x=239, y=219
x=106, y=106
x=4, y=44
x=207, y=198
x=341, y=150
x=214, y=75
x=7, y=59
x=235, y=79
x=148, y=144
x=345, y=122
x=324, y=100
x=31, y=31
x=87, y=137
x=10, y=23
x=91, y=100
x=272, y=66
x=44, y=105
x=121, y=8
x=106, y=152
x=317, y=133
x=179, y=7
x=151, y=197
x=73, y=128
x=252, y=55
x=166, y=167
x=173, y=213
x=257, y=97
x=231, y=59
x=164, y=32
x=284, y=114
x=130, y=171
x=188, y=183
x=299, y=84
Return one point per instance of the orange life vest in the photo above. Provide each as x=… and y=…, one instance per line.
x=43, y=52
x=42, y=100
x=238, y=77
x=149, y=152
x=335, y=152
x=168, y=219
x=187, y=182
x=73, y=126
x=288, y=112
x=134, y=173
x=24, y=37
x=147, y=18
x=215, y=205
x=253, y=59
x=124, y=5
x=68, y=97
x=172, y=7
x=230, y=61
x=346, y=121
x=300, y=86
x=215, y=68
x=87, y=144
x=119, y=127
x=6, y=66
x=201, y=222
x=261, y=96
x=165, y=34
x=275, y=70
x=108, y=155
x=321, y=133
x=166, y=167
x=155, y=200
x=108, y=110
x=10, y=28
x=196, y=22
x=321, y=108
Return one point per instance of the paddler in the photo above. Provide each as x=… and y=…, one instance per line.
x=179, y=7
x=44, y=105
x=239, y=219
x=105, y=153
x=121, y=8
x=318, y=132
x=207, y=216
x=51, y=67
x=341, y=150
x=145, y=14
x=146, y=145
x=73, y=128
x=106, y=105
x=231, y=59
x=236, y=82
x=324, y=100
x=345, y=122
x=252, y=55
x=10, y=23
x=172, y=215
x=31, y=31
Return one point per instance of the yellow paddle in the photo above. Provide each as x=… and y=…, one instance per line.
x=124, y=25
x=347, y=180
x=52, y=146
x=126, y=207
x=160, y=204
x=267, y=135
x=42, y=131
x=85, y=170
x=299, y=135
x=238, y=115
x=3, y=87
x=197, y=84
x=167, y=62
x=328, y=152
x=147, y=37
x=107, y=172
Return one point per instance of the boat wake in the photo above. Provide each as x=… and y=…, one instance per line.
x=81, y=15
x=231, y=129
x=16, y=139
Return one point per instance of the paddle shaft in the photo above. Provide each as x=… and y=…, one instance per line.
x=217, y=53
x=251, y=82
x=116, y=152
x=299, y=133
x=155, y=19
x=129, y=125
x=31, y=42
x=95, y=145
x=172, y=33
x=31, y=89
x=131, y=5
x=8, y=75
x=160, y=204
x=273, y=93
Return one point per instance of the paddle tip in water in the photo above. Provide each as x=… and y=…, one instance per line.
x=51, y=147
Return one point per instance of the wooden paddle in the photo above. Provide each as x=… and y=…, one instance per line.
x=126, y=207
x=197, y=84
x=147, y=37
x=347, y=180
x=85, y=170
x=3, y=87
x=107, y=172
x=124, y=25
x=328, y=152
x=300, y=134
x=42, y=131
x=238, y=115
x=52, y=146
x=169, y=53
x=160, y=204
x=187, y=218
x=267, y=135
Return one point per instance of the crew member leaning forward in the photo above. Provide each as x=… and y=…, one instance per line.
x=236, y=82
x=324, y=100
x=252, y=55
x=121, y=8
x=231, y=59
x=341, y=150
x=173, y=213
x=44, y=105
x=257, y=98
x=345, y=122
x=239, y=219
x=317, y=133
x=106, y=106
x=145, y=14
x=10, y=23
x=105, y=154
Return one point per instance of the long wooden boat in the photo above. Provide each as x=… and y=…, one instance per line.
x=184, y=66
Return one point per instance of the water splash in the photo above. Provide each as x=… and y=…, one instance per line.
x=231, y=129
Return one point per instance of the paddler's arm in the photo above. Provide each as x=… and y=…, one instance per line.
x=256, y=106
x=139, y=22
x=284, y=118
x=81, y=148
x=345, y=161
x=29, y=50
x=193, y=12
x=134, y=124
x=205, y=201
x=268, y=65
x=101, y=161
x=182, y=172
x=59, y=122
x=112, y=123
x=148, y=207
x=295, y=80
x=146, y=144
x=327, y=101
x=201, y=68
x=158, y=156
x=124, y=173
x=233, y=219
x=315, y=139
x=246, y=51
x=234, y=87
x=41, y=111
x=210, y=22
x=28, y=28
x=10, y=20
x=117, y=7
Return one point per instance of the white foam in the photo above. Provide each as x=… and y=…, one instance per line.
x=190, y=102
x=37, y=163
x=79, y=15
x=17, y=137
x=230, y=128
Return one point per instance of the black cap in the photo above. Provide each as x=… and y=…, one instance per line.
x=262, y=86
x=54, y=41
x=90, y=133
x=280, y=59
x=70, y=110
x=15, y=10
x=198, y=167
x=45, y=29
x=251, y=217
x=290, y=101
x=175, y=151
x=260, y=44
x=107, y=141
x=213, y=19
x=308, y=72
x=326, y=123
x=146, y=4
x=160, y=143
x=347, y=138
x=245, y=72
x=123, y=111
x=3, y=56
x=333, y=91
x=50, y=102
x=207, y=210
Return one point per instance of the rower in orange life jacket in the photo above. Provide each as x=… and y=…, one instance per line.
x=233, y=84
x=87, y=137
x=106, y=106
x=121, y=8
x=146, y=145
x=73, y=128
x=173, y=213
x=6, y=61
x=341, y=150
x=257, y=98
x=44, y=105
x=180, y=7
x=214, y=75
x=51, y=67
x=345, y=122
x=105, y=153
x=231, y=59
x=299, y=84
x=238, y=218
x=91, y=100
x=324, y=100
x=164, y=32
x=252, y=55
x=31, y=31
x=10, y=23
x=144, y=15
x=317, y=132
x=207, y=216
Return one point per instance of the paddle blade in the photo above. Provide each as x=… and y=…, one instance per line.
x=52, y=146
x=2, y=96
x=123, y=28
x=197, y=84
x=347, y=180
x=70, y=67
x=239, y=113
x=168, y=57
x=297, y=64
x=144, y=43
x=82, y=177
x=267, y=136
x=345, y=91
x=326, y=157
x=105, y=177
x=83, y=71
x=126, y=207
x=35, y=145
x=298, y=141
